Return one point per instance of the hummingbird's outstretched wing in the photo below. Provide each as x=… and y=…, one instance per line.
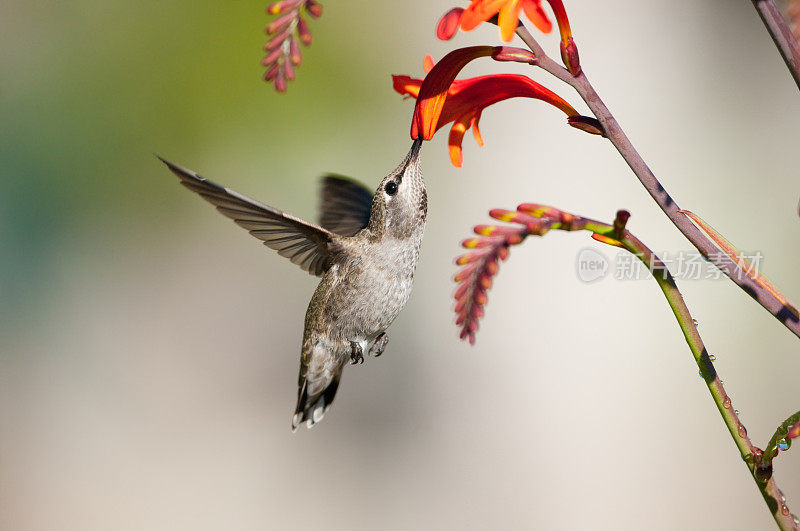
x=345, y=205
x=306, y=245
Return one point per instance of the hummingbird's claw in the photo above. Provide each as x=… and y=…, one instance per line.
x=379, y=345
x=356, y=353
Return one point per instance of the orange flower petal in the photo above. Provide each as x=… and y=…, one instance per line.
x=406, y=85
x=480, y=11
x=508, y=19
x=456, y=137
x=607, y=240
x=535, y=13
x=427, y=64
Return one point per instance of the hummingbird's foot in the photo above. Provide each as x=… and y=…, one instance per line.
x=379, y=345
x=356, y=353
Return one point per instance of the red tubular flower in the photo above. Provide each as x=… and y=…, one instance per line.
x=508, y=13
x=441, y=99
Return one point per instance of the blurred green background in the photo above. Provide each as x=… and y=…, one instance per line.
x=148, y=347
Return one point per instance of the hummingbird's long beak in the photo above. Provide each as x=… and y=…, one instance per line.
x=411, y=162
x=413, y=155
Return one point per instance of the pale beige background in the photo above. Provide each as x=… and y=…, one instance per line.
x=148, y=347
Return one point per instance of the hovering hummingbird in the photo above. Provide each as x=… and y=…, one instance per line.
x=365, y=250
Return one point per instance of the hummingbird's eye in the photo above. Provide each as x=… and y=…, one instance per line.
x=391, y=188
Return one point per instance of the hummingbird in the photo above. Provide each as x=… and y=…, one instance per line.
x=365, y=250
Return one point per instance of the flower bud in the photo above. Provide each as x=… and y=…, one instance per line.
x=569, y=54
x=288, y=69
x=280, y=81
x=518, y=55
x=586, y=123
x=541, y=211
x=607, y=240
x=281, y=6
x=303, y=31
x=294, y=52
x=272, y=56
x=280, y=23
x=314, y=9
x=448, y=24
x=277, y=40
x=270, y=74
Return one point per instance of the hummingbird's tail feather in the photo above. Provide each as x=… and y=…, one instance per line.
x=312, y=409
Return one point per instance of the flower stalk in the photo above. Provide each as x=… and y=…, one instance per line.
x=622, y=143
x=781, y=35
x=494, y=242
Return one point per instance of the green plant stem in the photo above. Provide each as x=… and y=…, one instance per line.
x=622, y=143
x=750, y=453
x=771, y=450
x=769, y=490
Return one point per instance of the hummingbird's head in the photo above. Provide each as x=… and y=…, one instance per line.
x=400, y=203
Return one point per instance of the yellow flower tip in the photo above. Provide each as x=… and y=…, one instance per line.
x=508, y=19
x=534, y=210
x=477, y=134
x=605, y=239
x=507, y=34
x=456, y=157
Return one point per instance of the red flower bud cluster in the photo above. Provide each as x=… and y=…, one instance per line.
x=482, y=262
x=286, y=32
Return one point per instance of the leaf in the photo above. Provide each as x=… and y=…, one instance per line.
x=744, y=264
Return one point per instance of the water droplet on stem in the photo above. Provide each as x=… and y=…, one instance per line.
x=742, y=431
